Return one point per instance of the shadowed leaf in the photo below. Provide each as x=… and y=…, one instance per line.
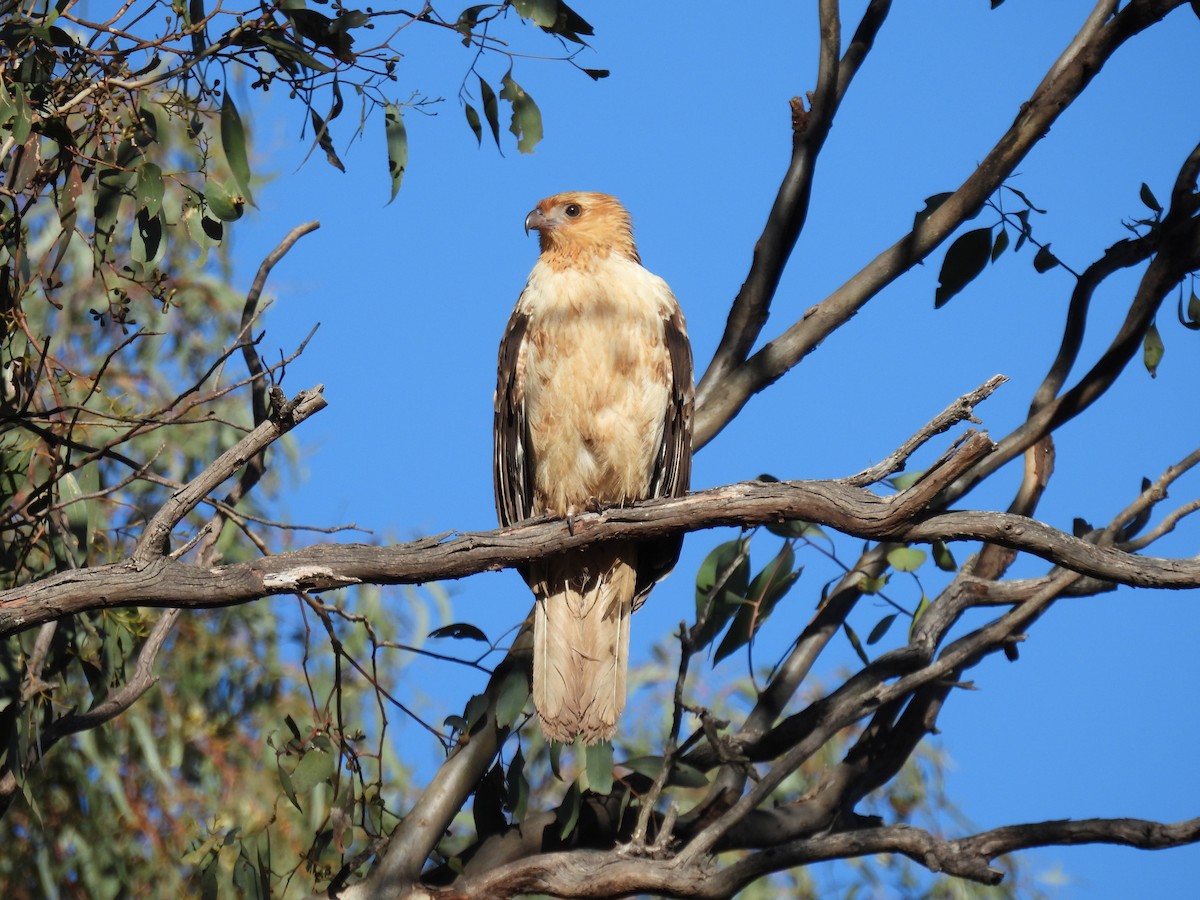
x=461, y=631
x=964, y=260
x=1044, y=260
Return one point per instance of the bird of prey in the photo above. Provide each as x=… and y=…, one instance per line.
x=593, y=409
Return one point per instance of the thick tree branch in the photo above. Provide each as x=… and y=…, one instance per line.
x=614, y=873
x=162, y=582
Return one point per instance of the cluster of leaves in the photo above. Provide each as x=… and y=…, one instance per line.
x=970, y=253
x=86, y=110
x=125, y=159
x=336, y=793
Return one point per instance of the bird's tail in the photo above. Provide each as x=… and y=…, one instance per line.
x=581, y=641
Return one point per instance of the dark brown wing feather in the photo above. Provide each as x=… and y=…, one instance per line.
x=673, y=468
x=512, y=460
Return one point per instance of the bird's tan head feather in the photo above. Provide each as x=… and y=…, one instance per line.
x=578, y=226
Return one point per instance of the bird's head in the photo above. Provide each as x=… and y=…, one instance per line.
x=578, y=225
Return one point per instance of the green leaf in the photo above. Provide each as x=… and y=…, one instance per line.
x=491, y=109
x=599, y=767
x=905, y=480
x=514, y=691
x=314, y=768
x=905, y=559
x=729, y=563
x=397, y=146
x=459, y=631
x=943, y=558
x=149, y=189
x=721, y=585
x=324, y=141
x=556, y=749
x=568, y=812
x=221, y=203
x=288, y=53
x=856, y=644
x=881, y=628
x=474, y=122
x=1149, y=199
x=920, y=611
x=467, y=20
x=964, y=260
x=285, y=780
x=1192, y=320
x=570, y=25
x=82, y=515
x=543, y=12
x=872, y=585
x=517, y=787
x=775, y=580
x=233, y=142
x=1044, y=260
x=526, y=122
x=1152, y=350
x=22, y=123
x=476, y=710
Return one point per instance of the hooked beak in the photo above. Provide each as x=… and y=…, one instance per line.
x=535, y=220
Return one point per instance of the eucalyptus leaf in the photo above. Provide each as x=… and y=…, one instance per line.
x=226, y=206
x=881, y=628
x=491, y=109
x=1152, y=350
x=460, y=631
x=852, y=636
x=1044, y=260
x=233, y=142
x=599, y=766
x=543, y=12
x=526, y=122
x=965, y=259
x=514, y=691
x=906, y=559
x=1149, y=199
x=397, y=146
x=474, y=122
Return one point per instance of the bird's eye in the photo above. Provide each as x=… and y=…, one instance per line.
x=573, y=210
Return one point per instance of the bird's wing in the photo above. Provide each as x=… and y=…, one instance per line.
x=672, y=472
x=673, y=467
x=512, y=460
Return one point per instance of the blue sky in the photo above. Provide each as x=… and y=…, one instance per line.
x=691, y=131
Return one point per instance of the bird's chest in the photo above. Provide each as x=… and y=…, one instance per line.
x=597, y=376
